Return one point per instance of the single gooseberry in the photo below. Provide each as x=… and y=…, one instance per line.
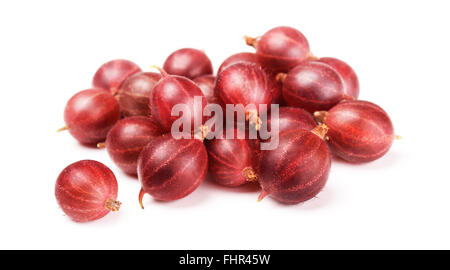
x=188, y=62
x=232, y=162
x=170, y=91
x=245, y=83
x=351, y=82
x=135, y=93
x=90, y=114
x=170, y=169
x=291, y=118
x=126, y=140
x=87, y=190
x=298, y=168
x=359, y=131
x=312, y=86
x=275, y=85
x=112, y=74
x=206, y=84
x=281, y=48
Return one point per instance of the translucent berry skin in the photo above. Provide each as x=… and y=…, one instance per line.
x=90, y=114
x=207, y=84
x=170, y=169
x=127, y=138
x=246, y=57
x=232, y=162
x=298, y=169
x=87, y=190
x=112, y=74
x=135, y=93
x=168, y=92
x=244, y=83
x=313, y=86
x=351, y=82
x=282, y=48
x=292, y=118
x=188, y=62
x=359, y=131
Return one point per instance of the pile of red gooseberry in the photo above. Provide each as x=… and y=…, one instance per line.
x=128, y=112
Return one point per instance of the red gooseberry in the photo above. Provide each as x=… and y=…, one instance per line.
x=112, y=74
x=298, y=168
x=351, y=82
x=312, y=86
x=170, y=169
x=170, y=91
x=359, y=131
x=291, y=118
x=87, y=190
x=275, y=85
x=232, y=162
x=188, y=62
x=135, y=93
x=207, y=84
x=90, y=114
x=281, y=48
x=245, y=83
x=126, y=140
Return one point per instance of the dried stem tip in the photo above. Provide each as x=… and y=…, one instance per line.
x=63, y=128
x=251, y=41
x=101, y=145
x=321, y=116
x=253, y=119
x=249, y=174
x=262, y=195
x=141, y=195
x=320, y=130
x=281, y=77
x=112, y=205
x=162, y=71
x=201, y=133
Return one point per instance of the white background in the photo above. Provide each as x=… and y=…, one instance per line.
x=49, y=50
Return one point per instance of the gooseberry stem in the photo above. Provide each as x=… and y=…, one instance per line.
x=162, y=71
x=63, y=128
x=201, y=133
x=141, y=195
x=253, y=119
x=249, y=174
x=101, y=145
x=112, y=205
x=321, y=130
x=262, y=195
x=251, y=41
x=281, y=77
x=321, y=116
